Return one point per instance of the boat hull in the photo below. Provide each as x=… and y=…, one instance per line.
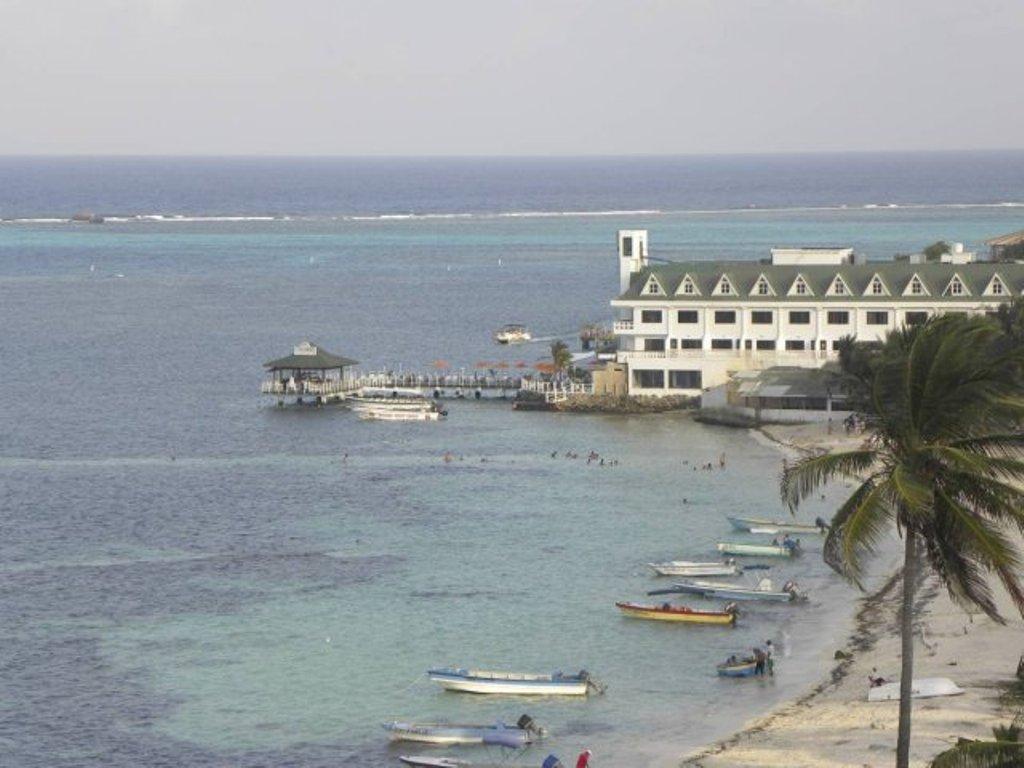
x=762, y=525
x=746, y=669
x=755, y=550
x=510, y=686
x=729, y=593
x=441, y=733
x=676, y=614
x=680, y=568
x=920, y=688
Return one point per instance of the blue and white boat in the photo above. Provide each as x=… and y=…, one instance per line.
x=764, y=525
x=515, y=683
x=764, y=591
x=524, y=732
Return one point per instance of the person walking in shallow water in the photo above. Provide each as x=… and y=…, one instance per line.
x=583, y=761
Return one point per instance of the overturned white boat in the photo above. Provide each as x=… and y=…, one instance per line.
x=428, y=761
x=515, y=683
x=524, y=732
x=688, y=568
x=924, y=688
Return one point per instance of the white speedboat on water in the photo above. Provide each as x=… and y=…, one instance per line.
x=395, y=405
x=513, y=333
x=515, y=683
x=764, y=590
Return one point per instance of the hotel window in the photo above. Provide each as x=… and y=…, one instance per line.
x=688, y=287
x=627, y=246
x=650, y=316
x=823, y=345
x=691, y=343
x=799, y=317
x=721, y=343
x=835, y=345
x=654, y=287
x=794, y=345
x=915, y=318
x=877, y=289
x=748, y=344
x=725, y=316
x=956, y=288
x=878, y=318
x=724, y=286
x=654, y=345
x=839, y=318
x=673, y=343
x=997, y=287
x=761, y=317
x=799, y=286
x=916, y=287
x=649, y=379
x=686, y=316
x=766, y=344
x=838, y=287
x=684, y=380
x=763, y=289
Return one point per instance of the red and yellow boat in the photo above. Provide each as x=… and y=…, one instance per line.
x=667, y=612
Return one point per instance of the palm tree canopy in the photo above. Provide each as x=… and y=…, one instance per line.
x=943, y=461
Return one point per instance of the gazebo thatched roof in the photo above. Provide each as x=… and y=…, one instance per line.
x=309, y=357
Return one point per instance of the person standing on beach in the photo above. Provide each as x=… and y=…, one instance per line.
x=583, y=761
x=760, y=657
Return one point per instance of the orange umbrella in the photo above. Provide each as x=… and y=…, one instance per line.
x=441, y=364
x=544, y=367
x=483, y=364
x=521, y=364
x=503, y=365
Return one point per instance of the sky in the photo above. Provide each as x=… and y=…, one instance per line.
x=492, y=77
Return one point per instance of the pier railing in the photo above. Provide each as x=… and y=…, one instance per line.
x=559, y=391
x=311, y=388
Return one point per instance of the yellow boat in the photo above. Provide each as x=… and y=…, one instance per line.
x=668, y=612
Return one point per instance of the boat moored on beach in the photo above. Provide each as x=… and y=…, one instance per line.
x=524, y=732
x=688, y=568
x=515, y=683
x=764, y=525
x=427, y=761
x=760, y=550
x=746, y=667
x=678, y=613
x=920, y=688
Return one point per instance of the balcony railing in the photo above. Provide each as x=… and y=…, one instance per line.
x=694, y=354
x=622, y=326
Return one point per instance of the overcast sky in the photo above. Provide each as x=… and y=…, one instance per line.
x=495, y=77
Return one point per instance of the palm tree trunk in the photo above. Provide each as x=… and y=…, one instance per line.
x=907, y=643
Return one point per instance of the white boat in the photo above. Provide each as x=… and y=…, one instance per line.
x=760, y=550
x=392, y=414
x=688, y=568
x=513, y=333
x=524, y=732
x=764, y=525
x=428, y=761
x=764, y=591
x=395, y=405
x=515, y=683
x=925, y=688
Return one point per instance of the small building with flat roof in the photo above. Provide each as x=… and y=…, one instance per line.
x=1007, y=247
x=309, y=372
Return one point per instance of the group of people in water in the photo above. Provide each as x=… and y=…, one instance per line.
x=763, y=658
x=593, y=457
x=708, y=466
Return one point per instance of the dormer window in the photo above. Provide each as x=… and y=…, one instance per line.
x=996, y=287
x=877, y=287
x=956, y=287
x=687, y=287
x=724, y=287
x=653, y=287
x=916, y=287
x=800, y=287
x=838, y=287
x=762, y=287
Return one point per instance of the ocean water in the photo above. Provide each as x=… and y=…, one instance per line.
x=191, y=577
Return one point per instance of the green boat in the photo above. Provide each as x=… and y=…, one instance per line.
x=760, y=550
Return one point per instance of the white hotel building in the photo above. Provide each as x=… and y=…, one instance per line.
x=683, y=328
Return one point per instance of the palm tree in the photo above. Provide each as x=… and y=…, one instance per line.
x=1007, y=751
x=561, y=357
x=941, y=463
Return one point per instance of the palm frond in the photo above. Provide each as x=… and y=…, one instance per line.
x=805, y=476
x=1007, y=444
x=981, y=754
x=857, y=528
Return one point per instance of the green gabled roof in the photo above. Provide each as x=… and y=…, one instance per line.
x=895, y=274
x=319, y=360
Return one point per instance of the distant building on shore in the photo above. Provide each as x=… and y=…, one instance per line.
x=683, y=328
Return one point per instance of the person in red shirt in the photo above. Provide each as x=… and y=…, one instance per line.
x=583, y=761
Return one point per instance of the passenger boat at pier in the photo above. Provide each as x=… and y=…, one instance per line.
x=398, y=405
x=688, y=568
x=678, y=613
x=760, y=550
x=763, y=525
x=524, y=732
x=764, y=591
x=516, y=683
x=513, y=333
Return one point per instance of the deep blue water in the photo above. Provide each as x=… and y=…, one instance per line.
x=191, y=577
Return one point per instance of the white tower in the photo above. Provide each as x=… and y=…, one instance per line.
x=632, y=255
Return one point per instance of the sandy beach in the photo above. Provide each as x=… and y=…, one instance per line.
x=832, y=724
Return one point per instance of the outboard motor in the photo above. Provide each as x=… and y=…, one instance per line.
x=527, y=724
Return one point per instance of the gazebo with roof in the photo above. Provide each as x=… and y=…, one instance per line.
x=309, y=371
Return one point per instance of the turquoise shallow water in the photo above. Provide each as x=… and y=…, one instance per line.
x=176, y=555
